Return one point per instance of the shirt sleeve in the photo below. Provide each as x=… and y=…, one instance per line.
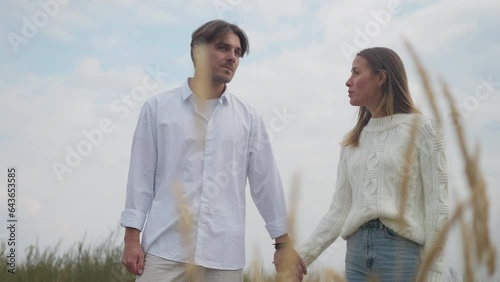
x=434, y=176
x=141, y=177
x=330, y=226
x=266, y=188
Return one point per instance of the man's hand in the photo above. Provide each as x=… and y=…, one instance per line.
x=133, y=253
x=288, y=260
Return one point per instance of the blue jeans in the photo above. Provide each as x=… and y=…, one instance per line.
x=375, y=251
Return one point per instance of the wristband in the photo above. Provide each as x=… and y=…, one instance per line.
x=278, y=246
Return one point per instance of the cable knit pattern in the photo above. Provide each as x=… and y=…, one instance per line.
x=369, y=181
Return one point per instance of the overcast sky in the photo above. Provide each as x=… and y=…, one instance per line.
x=71, y=69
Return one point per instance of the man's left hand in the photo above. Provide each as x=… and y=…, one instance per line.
x=288, y=260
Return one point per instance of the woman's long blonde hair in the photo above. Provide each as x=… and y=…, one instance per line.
x=395, y=97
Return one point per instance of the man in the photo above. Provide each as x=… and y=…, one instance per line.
x=202, y=142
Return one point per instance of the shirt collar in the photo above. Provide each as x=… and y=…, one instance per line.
x=187, y=93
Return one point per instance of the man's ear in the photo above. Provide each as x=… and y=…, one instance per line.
x=196, y=51
x=199, y=52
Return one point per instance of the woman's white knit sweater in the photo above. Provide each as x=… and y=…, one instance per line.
x=369, y=181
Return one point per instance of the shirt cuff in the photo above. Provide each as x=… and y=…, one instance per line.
x=133, y=218
x=277, y=227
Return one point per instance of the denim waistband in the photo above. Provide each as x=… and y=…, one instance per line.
x=374, y=223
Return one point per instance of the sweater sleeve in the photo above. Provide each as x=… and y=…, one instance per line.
x=329, y=228
x=434, y=176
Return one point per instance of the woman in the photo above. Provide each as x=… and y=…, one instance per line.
x=365, y=209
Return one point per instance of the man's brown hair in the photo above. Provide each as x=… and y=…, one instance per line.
x=216, y=29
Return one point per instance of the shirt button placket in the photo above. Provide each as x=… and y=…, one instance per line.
x=207, y=167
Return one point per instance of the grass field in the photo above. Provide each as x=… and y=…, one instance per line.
x=83, y=262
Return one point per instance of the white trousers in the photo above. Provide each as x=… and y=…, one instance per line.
x=158, y=269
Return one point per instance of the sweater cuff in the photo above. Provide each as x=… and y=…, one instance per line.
x=305, y=253
x=434, y=276
x=306, y=258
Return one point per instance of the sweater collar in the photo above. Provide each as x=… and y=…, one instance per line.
x=387, y=122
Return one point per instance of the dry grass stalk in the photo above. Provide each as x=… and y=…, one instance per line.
x=437, y=246
x=186, y=217
x=333, y=276
x=476, y=183
x=425, y=82
x=372, y=278
x=256, y=268
x=455, y=116
x=467, y=249
x=485, y=248
x=293, y=203
x=290, y=256
x=408, y=161
x=186, y=224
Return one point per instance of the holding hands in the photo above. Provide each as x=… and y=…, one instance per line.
x=288, y=263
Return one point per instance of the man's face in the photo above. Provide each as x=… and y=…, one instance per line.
x=223, y=57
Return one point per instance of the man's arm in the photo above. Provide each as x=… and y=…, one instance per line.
x=140, y=187
x=267, y=193
x=265, y=182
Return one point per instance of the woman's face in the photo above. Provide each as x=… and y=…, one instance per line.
x=364, y=89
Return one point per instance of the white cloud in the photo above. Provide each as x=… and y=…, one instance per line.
x=261, y=40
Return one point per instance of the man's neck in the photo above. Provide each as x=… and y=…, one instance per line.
x=206, y=88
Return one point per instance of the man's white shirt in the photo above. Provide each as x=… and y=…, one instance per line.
x=210, y=158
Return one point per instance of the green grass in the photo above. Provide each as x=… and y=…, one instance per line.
x=80, y=263
x=84, y=262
